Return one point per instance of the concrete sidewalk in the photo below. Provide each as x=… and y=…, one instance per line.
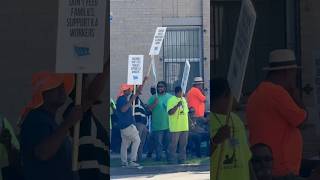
x=163, y=169
x=153, y=168
x=170, y=176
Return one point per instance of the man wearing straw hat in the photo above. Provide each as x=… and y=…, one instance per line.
x=45, y=146
x=196, y=100
x=274, y=113
x=196, y=97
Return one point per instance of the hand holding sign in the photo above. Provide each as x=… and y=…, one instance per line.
x=80, y=49
x=138, y=92
x=239, y=60
x=145, y=79
x=140, y=88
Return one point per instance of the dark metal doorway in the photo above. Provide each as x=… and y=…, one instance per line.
x=276, y=27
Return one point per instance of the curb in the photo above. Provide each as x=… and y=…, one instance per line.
x=159, y=169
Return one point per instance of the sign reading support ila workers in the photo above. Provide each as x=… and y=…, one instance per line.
x=157, y=41
x=241, y=47
x=135, y=69
x=185, y=77
x=81, y=36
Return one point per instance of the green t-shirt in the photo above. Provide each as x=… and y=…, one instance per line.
x=178, y=122
x=3, y=151
x=160, y=118
x=237, y=153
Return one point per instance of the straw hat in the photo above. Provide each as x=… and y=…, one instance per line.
x=198, y=80
x=281, y=59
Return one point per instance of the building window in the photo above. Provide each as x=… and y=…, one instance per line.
x=181, y=44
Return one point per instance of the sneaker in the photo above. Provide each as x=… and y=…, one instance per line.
x=124, y=164
x=133, y=164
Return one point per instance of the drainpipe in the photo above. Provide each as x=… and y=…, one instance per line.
x=202, y=41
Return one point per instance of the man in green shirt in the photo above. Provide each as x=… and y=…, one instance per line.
x=160, y=118
x=177, y=108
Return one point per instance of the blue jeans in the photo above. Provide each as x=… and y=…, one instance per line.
x=161, y=142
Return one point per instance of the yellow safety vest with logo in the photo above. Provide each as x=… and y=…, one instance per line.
x=178, y=122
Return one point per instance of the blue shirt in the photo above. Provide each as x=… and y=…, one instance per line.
x=37, y=126
x=125, y=118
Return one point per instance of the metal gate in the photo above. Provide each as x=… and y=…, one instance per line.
x=181, y=44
